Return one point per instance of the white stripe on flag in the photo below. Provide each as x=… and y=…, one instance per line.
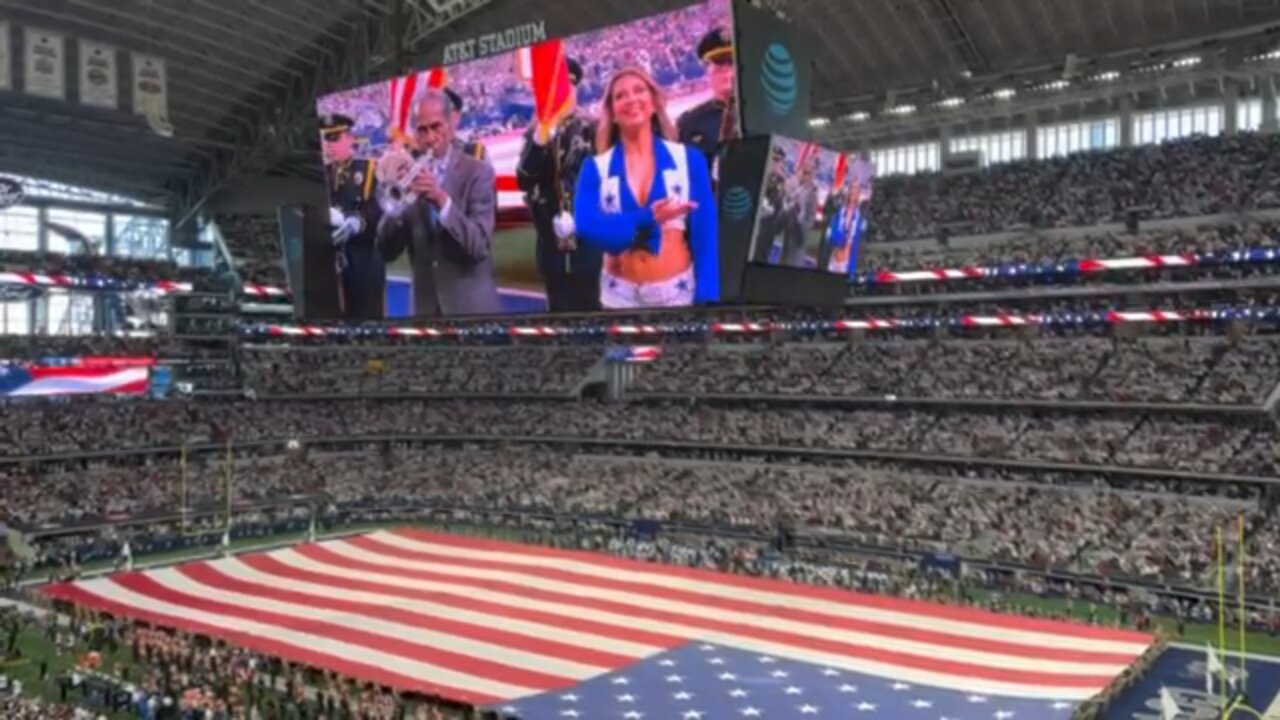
x=784, y=600
x=421, y=636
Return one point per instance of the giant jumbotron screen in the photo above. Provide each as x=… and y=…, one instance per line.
x=486, y=263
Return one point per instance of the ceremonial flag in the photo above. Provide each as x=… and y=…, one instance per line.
x=546, y=69
x=634, y=353
x=842, y=169
x=543, y=633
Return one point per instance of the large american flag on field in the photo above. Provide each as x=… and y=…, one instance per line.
x=544, y=633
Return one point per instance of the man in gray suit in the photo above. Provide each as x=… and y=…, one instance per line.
x=449, y=230
x=802, y=202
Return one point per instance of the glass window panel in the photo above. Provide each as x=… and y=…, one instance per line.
x=15, y=318
x=141, y=236
x=70, y=229
x=70, y=313
x=20, y=228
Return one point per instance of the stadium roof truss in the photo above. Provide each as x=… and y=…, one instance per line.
x=243, y=74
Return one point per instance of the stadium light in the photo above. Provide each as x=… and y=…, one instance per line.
x=1055, y=85
x=1108, y=76
x=1186, y=62
x=902, y=110
x=860, y=116
x=952, y=102
x=817, y=122
x=1004, y=93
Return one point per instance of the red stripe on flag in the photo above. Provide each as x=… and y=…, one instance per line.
x=144, y=584
x=273, y=566
x=842, y=622
x=205, y=574
x=845, y=597
x=844, y=649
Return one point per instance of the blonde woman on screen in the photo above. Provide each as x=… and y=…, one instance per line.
x=646, y=202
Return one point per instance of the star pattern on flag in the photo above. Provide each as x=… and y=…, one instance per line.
x=730, y=683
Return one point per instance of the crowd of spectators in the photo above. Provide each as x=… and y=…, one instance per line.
x=1214, y=370
x=374, y=369
x=254, y=244
x=125, y=270
x=1182, y=178
x=1238, y=445
x=1147, y=531
x=1039, y=248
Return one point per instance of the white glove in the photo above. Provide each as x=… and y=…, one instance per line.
x=349, y=226
x=563, y=225
x=335, y=217
x=543, y=136
x=766, y=207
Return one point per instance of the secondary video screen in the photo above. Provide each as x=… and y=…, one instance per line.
x=499, y=185
x=812, y=207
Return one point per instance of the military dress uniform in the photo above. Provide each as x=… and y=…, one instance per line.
x=570, y=272
x=357, y=260
x=708, y=125
x=772, y=218
x=474, y=149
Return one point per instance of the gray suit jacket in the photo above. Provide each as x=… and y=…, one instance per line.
x=452, y=260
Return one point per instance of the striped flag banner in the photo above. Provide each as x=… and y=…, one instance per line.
x=544, y=633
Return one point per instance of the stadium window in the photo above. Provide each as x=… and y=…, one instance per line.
x=69, y=313
x=1159, y=126
x=20, y=228
x=1249, y=115
x=48, y=189
x=993, y=148
x=15, y=317
x=907, y=159
x=140, y=236
x=90, y=225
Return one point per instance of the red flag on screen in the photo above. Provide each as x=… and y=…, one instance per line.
x=842, y=169
x=806, y=151
x=549, y=78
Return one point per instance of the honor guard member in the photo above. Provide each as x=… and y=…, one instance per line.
x=548, y=175
x=353, y=213
x=709, y=125
x=773, y=206
x=474, y=149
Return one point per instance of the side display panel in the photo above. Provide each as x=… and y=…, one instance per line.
x=423, y=170
x=798, y=183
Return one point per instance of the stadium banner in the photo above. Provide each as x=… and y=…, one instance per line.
x=6, y=58
x=45, y=64
x=99, y=76
x=775, y=73
x=527, y=120
x=76, y=376
x=150, y=85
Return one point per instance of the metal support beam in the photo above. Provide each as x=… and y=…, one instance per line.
x=960, y=37
x=846, y=134
x=263, y=139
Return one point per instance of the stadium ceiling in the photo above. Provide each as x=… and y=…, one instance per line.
x=243, y=74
